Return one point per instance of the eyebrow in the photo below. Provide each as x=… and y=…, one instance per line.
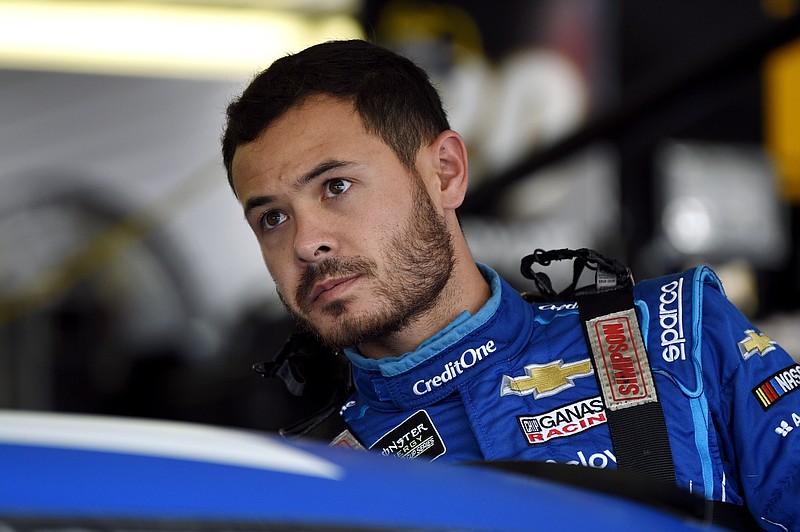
x=321, y=168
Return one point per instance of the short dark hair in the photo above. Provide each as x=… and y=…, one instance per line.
x=394, y=97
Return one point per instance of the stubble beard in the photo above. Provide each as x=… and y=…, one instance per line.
x=419, y=261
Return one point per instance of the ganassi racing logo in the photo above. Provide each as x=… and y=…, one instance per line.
x=564, y=421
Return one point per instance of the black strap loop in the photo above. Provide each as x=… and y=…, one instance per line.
x=609, y=273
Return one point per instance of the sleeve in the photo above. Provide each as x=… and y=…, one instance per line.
x=755, y=403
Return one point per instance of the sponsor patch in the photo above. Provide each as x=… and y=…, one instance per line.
x=670, y=318
x=777, y=386
x=623, y=369
x=559, y=307
x=416, y=437
x=348, y=404
x=347, y=440
x=755, y=344
x=786, y=427
x=599, y=460
x=563, y=421
x=455, y=368
x=544, y=380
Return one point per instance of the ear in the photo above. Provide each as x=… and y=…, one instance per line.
x=449, y=153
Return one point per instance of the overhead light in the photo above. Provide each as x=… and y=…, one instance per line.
x=154, y=39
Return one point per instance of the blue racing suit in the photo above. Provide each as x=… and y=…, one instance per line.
x=515, y=382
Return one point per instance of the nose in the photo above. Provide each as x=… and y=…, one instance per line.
x=313, y=239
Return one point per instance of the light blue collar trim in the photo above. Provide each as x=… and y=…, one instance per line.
x=461, y=326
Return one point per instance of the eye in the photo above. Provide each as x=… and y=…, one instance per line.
x=272, y=219
x=337, y=186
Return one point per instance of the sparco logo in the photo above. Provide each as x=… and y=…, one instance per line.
x=567, y=420
x=670, y=317
x=454, y=368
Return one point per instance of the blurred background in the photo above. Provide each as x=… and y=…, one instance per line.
x=665, y=134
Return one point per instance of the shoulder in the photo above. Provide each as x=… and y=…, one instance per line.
x=694, y=283
x=677, y=312
x=690, y=294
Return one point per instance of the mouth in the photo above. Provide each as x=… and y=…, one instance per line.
x=331, y=288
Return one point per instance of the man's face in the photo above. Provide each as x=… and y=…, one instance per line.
x=356, y=246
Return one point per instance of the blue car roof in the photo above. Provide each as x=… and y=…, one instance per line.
x=58, y=468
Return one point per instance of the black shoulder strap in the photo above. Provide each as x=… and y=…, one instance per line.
x=622, y=369
x=613, y=336
x=733, y=517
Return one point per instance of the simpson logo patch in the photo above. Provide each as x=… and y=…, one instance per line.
x=778, y=386
x=416, y=437
x=564, y=421
x=623, y=369
x=544, y=380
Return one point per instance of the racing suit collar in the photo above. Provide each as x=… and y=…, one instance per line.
x=450, y=357
x=463, y=324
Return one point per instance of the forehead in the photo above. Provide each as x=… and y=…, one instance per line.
x=320, y=127
x=316, y=112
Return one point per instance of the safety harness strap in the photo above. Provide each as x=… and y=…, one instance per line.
x=622, y=369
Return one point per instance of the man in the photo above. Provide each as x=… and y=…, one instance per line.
x=349, y=176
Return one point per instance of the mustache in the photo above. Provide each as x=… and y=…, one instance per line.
x=333, y=267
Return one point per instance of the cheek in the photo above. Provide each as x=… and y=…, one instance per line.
x=387, y=222
x=267, y=263
x=280, y=273
x=372, y=237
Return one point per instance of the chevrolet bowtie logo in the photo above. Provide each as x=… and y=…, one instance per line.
x=543, y=380
x=755, y=343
